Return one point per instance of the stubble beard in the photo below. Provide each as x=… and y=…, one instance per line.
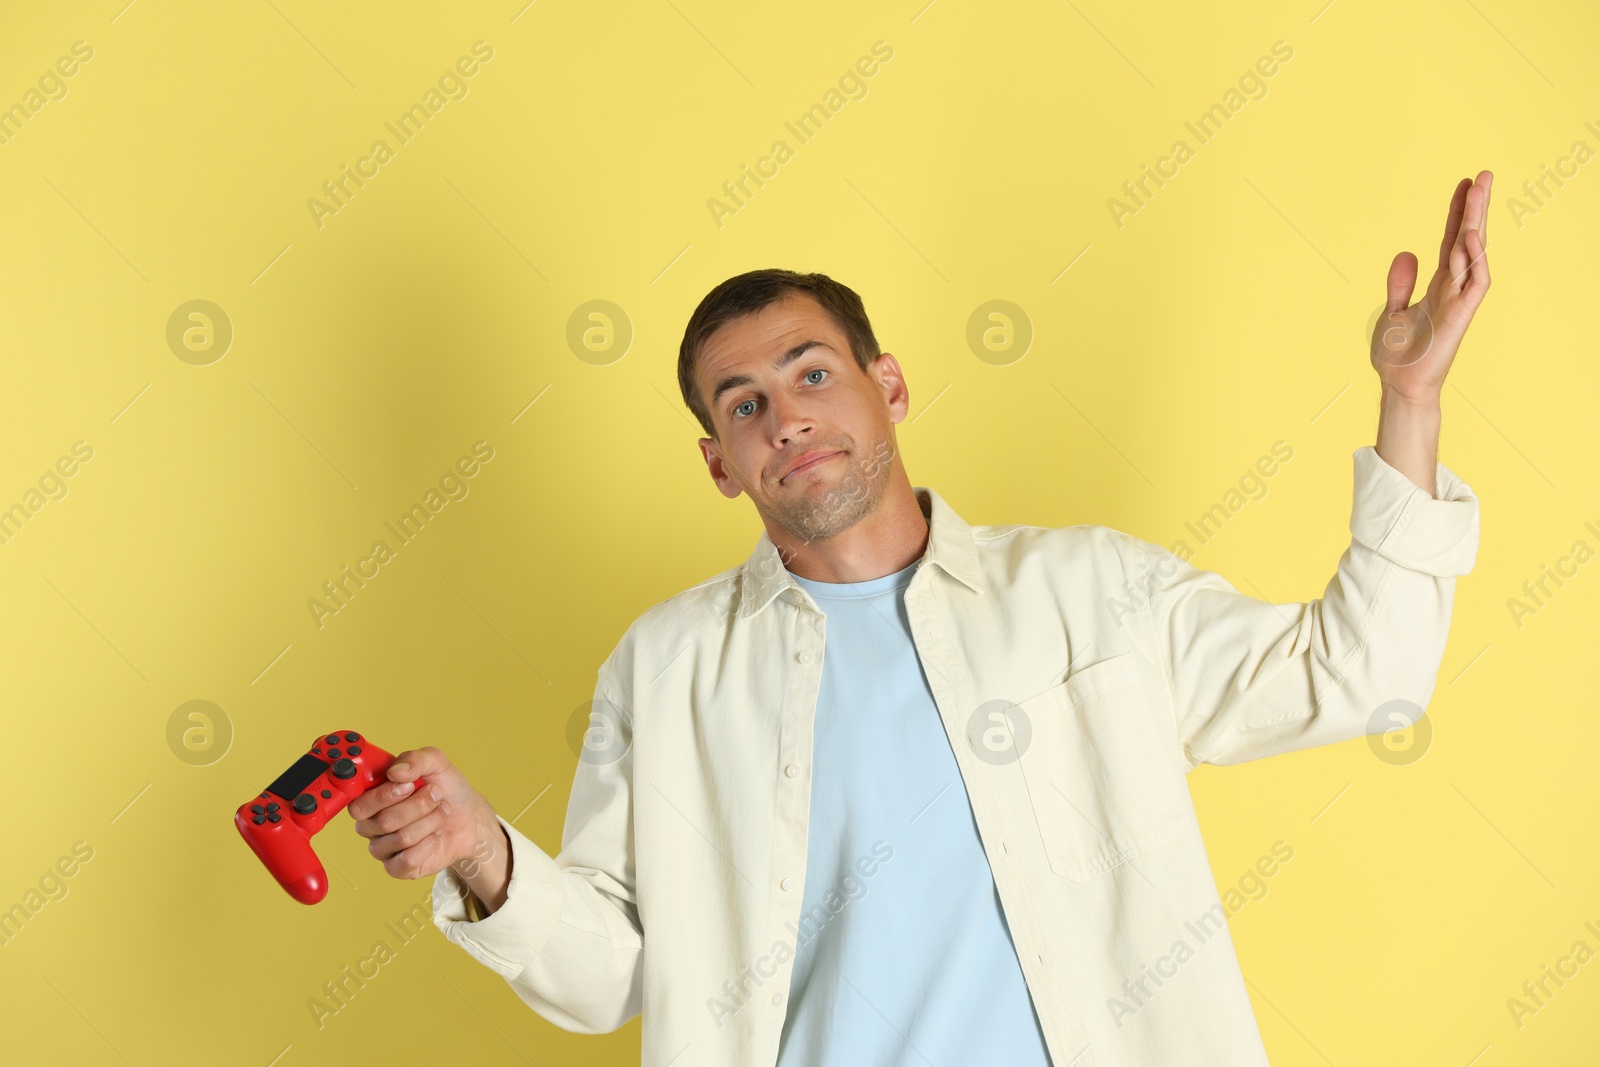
x=818, y=512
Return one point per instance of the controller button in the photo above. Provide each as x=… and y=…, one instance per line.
x=344, y=770
x=333, y=753
x=272, y=806
x=274, y=817
x=352, y=737
x=257, y=808
x=333, y=739
x=318, y=751
x=354, y=750
x=305, y=803
x=327, y=793
x=259, y=819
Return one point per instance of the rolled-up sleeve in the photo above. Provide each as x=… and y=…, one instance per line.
x=568, y=937
x=1249, y=679
x=522, y=927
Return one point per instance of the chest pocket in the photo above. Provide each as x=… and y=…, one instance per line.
x=1103, y=785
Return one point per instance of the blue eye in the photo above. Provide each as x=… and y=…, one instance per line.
x=809, y=373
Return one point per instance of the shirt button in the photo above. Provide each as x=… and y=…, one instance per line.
x=793, y=770
x=804, y=657
x=777, y=998
x=787, y=883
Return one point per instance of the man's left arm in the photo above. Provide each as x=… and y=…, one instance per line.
x=1249, y=679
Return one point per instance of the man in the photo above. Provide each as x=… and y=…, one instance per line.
x=900, y=790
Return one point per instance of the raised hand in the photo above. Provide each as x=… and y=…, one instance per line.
x=1413, y=346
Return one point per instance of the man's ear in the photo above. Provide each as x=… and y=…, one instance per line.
x=886, y=369
x=718, y=469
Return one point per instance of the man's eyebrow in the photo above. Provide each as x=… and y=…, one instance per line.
x=733, y=381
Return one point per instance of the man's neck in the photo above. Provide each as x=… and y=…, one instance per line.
x=890, y=539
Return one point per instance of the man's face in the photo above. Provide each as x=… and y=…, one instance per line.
x=782, y=383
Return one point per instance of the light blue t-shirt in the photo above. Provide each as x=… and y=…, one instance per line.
x=903, y=958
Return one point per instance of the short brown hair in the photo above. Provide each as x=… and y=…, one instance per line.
x=753, y=291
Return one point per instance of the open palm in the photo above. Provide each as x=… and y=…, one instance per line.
x=1413, y=346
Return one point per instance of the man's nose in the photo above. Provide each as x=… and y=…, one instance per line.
x=791, y=417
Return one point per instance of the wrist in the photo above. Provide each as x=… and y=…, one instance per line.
x=1408, y=436
x=487, y=841
x=1427, y=403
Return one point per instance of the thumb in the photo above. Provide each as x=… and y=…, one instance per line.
x=1402, y=281
x=416, y=763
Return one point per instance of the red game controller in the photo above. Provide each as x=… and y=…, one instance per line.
x=279, y=824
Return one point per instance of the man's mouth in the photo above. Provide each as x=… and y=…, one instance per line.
x=808, y=464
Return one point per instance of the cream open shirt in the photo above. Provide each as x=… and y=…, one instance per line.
x=683, y=861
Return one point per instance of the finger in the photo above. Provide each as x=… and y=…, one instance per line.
x=421, y=860
x=389, y=819
x=1452, y=225
x=1486, y=179
x=386, y=846
x=376, y=799
x=1460, y=267
x=1476, y=218
x=1479, y=282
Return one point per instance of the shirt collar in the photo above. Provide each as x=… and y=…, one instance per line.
x=950, y=547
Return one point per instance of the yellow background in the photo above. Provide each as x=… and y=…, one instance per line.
x=368, y=354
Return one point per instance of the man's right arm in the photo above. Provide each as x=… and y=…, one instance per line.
x=565, y=931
